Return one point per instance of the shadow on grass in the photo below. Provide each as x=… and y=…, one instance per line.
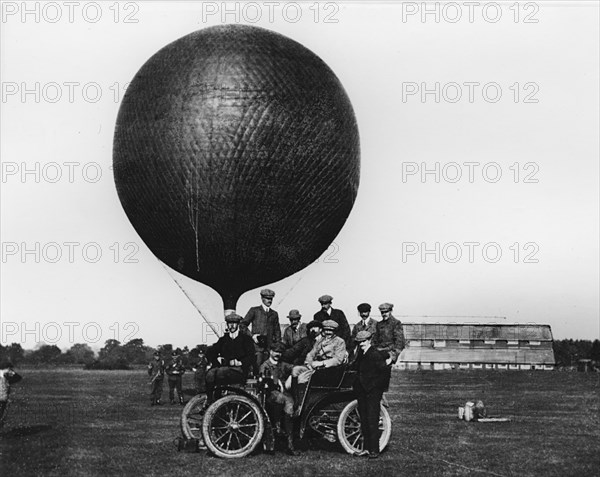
x=25, y=431
x=189, y=392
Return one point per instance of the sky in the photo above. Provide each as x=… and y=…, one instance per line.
x=478, y=198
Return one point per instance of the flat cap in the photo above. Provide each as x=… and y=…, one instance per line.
x=267, y=293
x=294, y=315
x=233, y=318
x=330, y=325
x=386, y=307
x=325, y=299
x=278, y=347
x=363, y=307
x=315, y=324
x=362, y=336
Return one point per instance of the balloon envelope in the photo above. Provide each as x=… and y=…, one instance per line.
x=236, y=157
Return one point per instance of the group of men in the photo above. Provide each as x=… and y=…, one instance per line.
x=254, y=345
x=174, y=369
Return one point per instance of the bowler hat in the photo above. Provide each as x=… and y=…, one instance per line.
x=315, y=324
x=294, y=315
x=363, y=307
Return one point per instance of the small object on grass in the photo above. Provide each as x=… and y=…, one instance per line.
x=494, y=419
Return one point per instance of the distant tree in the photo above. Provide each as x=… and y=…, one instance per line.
x=45, y=354
x=13, y=353
x=165, y=350
x=81, y=353
x=110, y=346
x=568, y=352
x=111, y=356
x=135, y=351
x=595, y=351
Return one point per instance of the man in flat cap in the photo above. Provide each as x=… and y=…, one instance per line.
x=389, y=334
x=233, y=357
x=280, y=398
x=372, y=380
x=366, y=323
x=264, y=322
x=328, y=313
x=175, y=371
x=296, y=355
x=328, y=351
x=295, y=331
x=156, y=371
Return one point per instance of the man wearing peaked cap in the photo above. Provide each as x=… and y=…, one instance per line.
x=329, y=313
x=156, y=371
x=281, y=399
x=295, y=331
x=366, y=323
x=262, y=323
x=389, y=334
x=232, y=356
x=175, y=370
x=233, y=318
x=371, y=381
x=328, y=351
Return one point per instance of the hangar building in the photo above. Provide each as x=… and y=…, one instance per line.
x=477, y=346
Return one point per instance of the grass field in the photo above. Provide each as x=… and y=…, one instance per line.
x=75, y=422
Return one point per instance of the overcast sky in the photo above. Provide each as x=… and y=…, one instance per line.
x=504, y=225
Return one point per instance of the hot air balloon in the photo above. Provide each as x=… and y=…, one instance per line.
x=236, y=157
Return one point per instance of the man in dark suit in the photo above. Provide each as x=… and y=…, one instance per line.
x=372, y=380
x=262, y=323
x=329, y=313
x=232, y=357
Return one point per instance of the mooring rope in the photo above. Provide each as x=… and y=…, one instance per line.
x=215, y=331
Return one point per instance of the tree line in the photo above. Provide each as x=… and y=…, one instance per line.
x=113, y=355
x=569, y=352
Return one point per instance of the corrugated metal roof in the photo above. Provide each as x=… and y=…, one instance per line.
x=478, y=355
x=470, y=331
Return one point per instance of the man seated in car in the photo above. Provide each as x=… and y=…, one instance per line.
x=279, y=397
x=328, y=351
x=233, y=357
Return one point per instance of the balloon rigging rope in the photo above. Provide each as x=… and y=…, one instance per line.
x=290, y=290
x=191, y=301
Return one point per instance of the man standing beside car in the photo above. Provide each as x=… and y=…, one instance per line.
x=327, y=312
x=372, y=380
x=264, y=322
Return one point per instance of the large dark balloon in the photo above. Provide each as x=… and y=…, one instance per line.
x=236, y=157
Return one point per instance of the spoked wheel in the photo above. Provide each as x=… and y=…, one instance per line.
x=192, y=416
x=349, y=432
x=233, y=426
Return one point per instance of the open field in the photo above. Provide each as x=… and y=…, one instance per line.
x=75, y=422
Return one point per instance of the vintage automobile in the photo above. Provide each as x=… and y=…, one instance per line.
x=239, y=419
